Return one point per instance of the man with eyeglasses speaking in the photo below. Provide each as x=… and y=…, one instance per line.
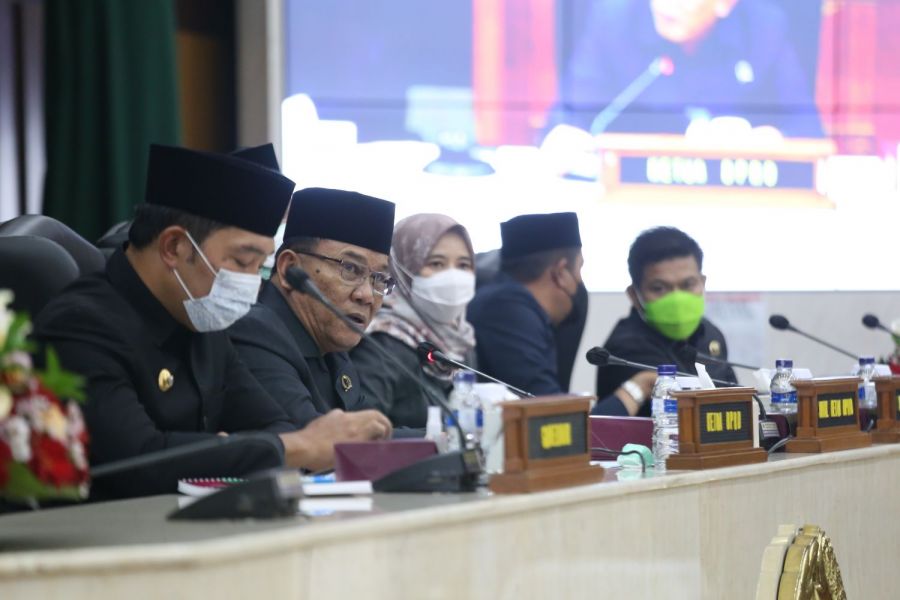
x=292, y=344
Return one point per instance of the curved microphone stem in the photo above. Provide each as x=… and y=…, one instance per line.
x=614, y=360
x=627, y=96
x=162, y=456
x=824, y=343
x=518, y=392
x=730, y=363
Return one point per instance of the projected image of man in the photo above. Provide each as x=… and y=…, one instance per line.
x=722, y=58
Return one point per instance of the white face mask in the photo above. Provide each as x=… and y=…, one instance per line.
x=230, y=298
x=443, y=296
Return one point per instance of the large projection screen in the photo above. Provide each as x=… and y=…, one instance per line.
x=766, y=129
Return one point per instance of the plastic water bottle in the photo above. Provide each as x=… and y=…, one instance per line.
x=465, y=407
x=665, y=416
x=434, y=430
x=867, y=395
x=784, y=395
x=471, y=416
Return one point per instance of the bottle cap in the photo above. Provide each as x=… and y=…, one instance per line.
x=462, y=376
x=784, y=363
x=665, y=370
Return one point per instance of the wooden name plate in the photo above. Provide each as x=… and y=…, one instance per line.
x=715, y=429
x=887, y=430
x=828, y=415
x=546, y=445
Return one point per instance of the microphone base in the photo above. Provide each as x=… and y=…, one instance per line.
x=450, y=472
x=270, y=495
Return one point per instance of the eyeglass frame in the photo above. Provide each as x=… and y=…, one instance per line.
x=369, y=274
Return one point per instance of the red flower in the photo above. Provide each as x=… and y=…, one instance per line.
x=50, y=462
x=5, y=459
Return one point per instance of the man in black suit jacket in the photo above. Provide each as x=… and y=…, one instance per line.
x=292, y=344
x=148, y=332
x=666, y=323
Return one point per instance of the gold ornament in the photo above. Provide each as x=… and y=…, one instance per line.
x=811, y=571
x=715, y=348
x=346, y=383
x=165, y=380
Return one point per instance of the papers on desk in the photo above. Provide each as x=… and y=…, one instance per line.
x=322, y=494
x=317, y=485
x=331, y=504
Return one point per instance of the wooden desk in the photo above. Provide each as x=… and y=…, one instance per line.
x=682, y=535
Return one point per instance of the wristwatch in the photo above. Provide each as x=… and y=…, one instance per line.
x=634, y=390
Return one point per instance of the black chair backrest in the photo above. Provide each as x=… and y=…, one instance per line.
x=87, y=257
x=114, y=238
x=35, y=269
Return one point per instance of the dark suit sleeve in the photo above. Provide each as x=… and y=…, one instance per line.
x=515, y=345
x=277, y=374
x=400, y=396
x=120, y=428
x=249, y=406
x=611, y=405
x=377, y=379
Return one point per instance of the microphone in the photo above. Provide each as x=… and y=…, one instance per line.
x=601, y=357
x=453, y=471
x=660, y=66
x=161, y=456
x=263, y=496
x=768, y=430
x=692, y=354
x=429, y=354
x=781, y=323
x=872, y=322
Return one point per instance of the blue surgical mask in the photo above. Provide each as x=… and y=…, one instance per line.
x=230, y=298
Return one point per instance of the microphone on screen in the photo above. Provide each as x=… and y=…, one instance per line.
x=661, y=66
x=781, y=323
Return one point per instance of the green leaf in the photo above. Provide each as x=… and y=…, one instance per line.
x=24, y=486
x=17, y=335
x=63, y=383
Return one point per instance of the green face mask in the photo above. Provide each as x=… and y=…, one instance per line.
x=676, y=315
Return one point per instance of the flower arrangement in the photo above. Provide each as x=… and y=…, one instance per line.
x=43, y=440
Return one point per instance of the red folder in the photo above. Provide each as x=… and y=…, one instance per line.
x=614, y=432
x=354, y=461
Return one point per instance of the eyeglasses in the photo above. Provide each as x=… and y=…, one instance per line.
x=355, y=273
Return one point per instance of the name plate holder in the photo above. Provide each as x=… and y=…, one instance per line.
x=828, y=415
x=546, y=445
x=715, y=429
x=887, y=429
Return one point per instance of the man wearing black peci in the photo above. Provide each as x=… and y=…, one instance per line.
x=514, y=315
x=294, y=346
x=148, y=333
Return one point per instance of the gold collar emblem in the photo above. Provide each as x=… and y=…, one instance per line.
x=165, y=380
x=346, y=383
x=715, y=348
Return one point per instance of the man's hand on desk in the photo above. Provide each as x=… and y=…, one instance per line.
x=313, y=446
x=634, y=392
